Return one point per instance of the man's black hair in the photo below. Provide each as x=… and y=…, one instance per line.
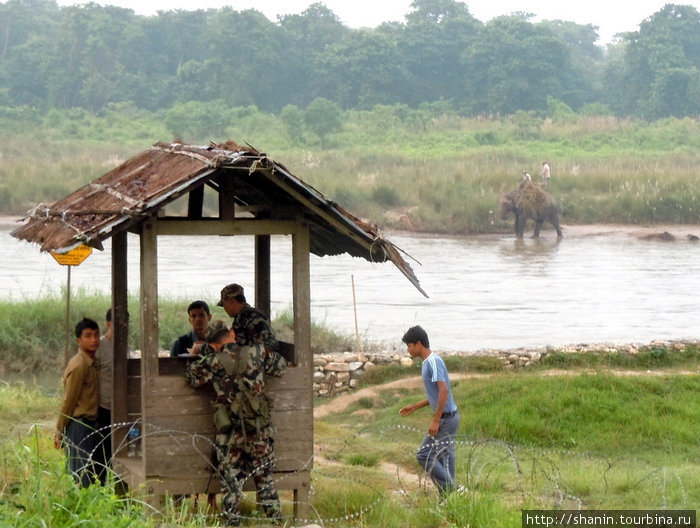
x=85, y=323
x=196, y=305
x=416, y=334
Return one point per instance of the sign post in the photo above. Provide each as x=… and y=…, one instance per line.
x=74, y=257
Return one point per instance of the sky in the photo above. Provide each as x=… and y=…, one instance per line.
x=611, y=16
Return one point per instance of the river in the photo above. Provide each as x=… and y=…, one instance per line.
x=485, y=291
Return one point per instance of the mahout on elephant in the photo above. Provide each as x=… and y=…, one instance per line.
x=530, y=200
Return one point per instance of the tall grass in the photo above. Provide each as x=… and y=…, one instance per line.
x=35, y=489
x=32, y=331
x=530, y=441
x=401, y=168
x=592, y=441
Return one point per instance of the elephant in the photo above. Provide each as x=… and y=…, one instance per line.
x=530, y=201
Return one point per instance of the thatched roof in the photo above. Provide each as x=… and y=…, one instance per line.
x=246, y=179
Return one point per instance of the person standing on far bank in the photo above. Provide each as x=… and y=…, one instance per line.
x=546, y=173
x=437, y=452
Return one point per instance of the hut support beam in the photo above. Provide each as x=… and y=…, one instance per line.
x=149, y=299
x=301, y=293
x=195, y=203
x=149, y=321
x=238, y=226
x=262, y=274
x=120, y=324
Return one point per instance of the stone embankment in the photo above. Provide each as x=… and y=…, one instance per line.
x=339, y=372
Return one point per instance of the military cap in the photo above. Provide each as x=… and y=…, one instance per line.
x=229, y=291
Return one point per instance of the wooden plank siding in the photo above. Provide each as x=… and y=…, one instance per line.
x=180, y=430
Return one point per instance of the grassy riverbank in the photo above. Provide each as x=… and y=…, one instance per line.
x=533, y=441
x=32, y=335
x=527, y=440
x=443, y=174
x=32, y=339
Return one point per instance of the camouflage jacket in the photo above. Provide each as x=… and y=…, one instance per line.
x=209, y=368
x=251, y=327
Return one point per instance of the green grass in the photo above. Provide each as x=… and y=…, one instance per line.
x=456, y=363
x=443, y=174
x=648, y=357
x=32, y=331
x=526, y=440
x=655, y=357
x=596, y=441
x=34, y=487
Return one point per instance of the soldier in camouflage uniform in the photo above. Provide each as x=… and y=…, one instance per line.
x=246, y=451
x=249, y=324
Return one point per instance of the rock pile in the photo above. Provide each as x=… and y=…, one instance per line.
x=338, y=372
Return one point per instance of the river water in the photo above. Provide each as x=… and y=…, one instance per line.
x=485, y=292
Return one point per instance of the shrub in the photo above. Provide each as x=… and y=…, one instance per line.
x=387, y=196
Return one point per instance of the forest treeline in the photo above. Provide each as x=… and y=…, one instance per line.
x=92, y=56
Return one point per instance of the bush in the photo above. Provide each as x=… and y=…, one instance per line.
x=385, y=195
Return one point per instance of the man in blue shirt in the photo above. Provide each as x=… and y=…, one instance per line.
x=437, y=452
x=199, y=317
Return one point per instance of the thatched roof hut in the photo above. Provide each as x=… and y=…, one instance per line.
x=256, y=197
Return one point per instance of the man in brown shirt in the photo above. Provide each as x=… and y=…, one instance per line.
x=77, y=419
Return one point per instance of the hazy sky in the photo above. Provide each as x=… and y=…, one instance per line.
x=611, y=16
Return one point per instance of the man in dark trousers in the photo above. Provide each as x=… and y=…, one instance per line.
x=77, y=420
x=437, y=452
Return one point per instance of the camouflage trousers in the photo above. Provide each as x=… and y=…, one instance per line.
x=241, y=457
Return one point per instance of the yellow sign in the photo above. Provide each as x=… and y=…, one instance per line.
x=74, y=257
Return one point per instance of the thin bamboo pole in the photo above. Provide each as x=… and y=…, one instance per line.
x=354, y=307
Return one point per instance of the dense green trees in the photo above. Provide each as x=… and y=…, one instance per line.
x=661, y=67
x=90, y=56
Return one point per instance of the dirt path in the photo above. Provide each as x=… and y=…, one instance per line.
x=342, y=402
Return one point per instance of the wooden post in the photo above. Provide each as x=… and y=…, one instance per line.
x=195, y=203
x=227, y=205
x=149, y=300
x=120, y=323
x=66, y=351
x=301, y=293
x=262, y=274
x=149, y=323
